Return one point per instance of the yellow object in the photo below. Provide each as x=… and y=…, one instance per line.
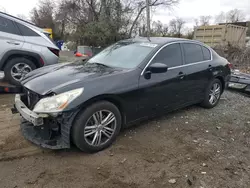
x=50, y=32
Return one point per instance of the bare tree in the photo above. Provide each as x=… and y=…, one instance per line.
x=231, y=16
x=235, y=15
x=159, y=29
x=176, y=27
x=141, y=6
x=43, y=15
x=22, y=16
x=197, y=23
x=205, y=20
x=220, y=18
x=95, y=22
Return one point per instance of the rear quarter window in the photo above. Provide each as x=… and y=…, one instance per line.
x=193, y=53
x=206, y=53
x=25, y=31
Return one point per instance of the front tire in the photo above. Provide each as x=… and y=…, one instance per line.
x=17, y=68
x=97, y=127
x=212, y=94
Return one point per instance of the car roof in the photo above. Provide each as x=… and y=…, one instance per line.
x=159, y=40
x=156, y=40
x=21, y=21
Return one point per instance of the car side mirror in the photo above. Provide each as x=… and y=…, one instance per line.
x=158, y=68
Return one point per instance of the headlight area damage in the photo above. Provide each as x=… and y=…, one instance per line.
x=44, y=121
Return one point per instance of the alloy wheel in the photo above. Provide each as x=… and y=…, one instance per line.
x=215, y=93
x=19, y=70
x=100, y=128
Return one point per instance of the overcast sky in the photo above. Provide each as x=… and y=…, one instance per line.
x=187, y=9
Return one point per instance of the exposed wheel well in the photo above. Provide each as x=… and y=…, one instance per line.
x=34, y=60
x=110, y=98
x=222, y=82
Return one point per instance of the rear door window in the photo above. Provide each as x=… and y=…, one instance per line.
x=192, y=53
x=8, y=26
x=170, y=55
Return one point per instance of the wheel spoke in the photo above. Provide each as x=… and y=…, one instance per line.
x=211, y=100
x=90, y=127
x=214, y=99
x=109, y=119
x=16, y=74
x=215, y=87
x=217, y=95
x=217, y=91
x=26, y=67
x=109, y=129
x=89, y=132
x=99, y=138
x=100, y=116
x=95, y=138
x=17, y=66
x=25, y=72
x=107, y=133
x=95, y=118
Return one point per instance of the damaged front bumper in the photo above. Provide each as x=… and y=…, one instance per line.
x=45, y=130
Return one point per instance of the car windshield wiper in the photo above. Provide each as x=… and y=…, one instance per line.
x=100, y=64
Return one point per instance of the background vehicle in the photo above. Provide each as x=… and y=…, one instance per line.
x=129, y=81
x=23, y=48
x=87, y=51
x=240, y=81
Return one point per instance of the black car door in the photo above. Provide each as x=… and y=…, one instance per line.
x=161, y=90
x=198, y=65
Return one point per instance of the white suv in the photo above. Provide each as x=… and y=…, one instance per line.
x=23, y=48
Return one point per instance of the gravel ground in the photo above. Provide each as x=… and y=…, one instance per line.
x=193, y=147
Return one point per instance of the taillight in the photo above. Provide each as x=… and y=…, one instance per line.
x=54, y=51
x=230, y=65
x=41, y=61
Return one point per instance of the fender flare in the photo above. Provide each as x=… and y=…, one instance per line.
x=17, y=53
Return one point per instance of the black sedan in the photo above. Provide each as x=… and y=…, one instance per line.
x=88, y=103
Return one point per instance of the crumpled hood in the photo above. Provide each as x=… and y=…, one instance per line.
x=49, y=79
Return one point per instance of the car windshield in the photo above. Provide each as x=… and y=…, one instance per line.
x=123, y=55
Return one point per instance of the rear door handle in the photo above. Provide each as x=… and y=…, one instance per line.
x=210, y=68
x=13, y=43
x=181, y=75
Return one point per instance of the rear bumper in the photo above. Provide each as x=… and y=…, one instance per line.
x=49, y=132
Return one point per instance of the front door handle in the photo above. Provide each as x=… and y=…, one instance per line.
x=181, y=75
x=13, y=43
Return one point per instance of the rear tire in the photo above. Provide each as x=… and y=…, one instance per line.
x=87, y=126
x=16, y=68
x=212, y=94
